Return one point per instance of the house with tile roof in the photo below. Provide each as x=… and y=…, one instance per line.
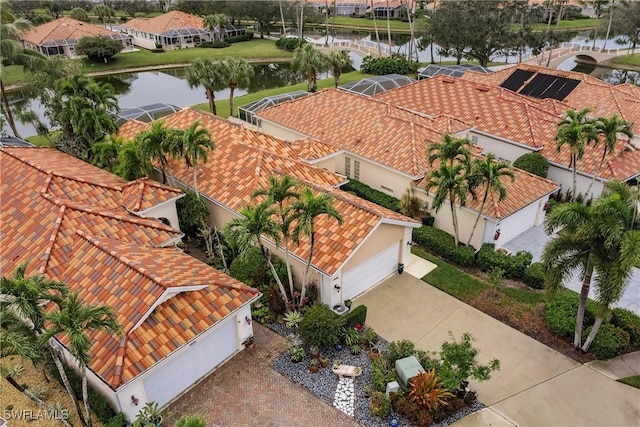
x=384, y=147
x=510, y=125
x=348, y=259
x=61, y=36
x=171, y=30
x=95, y=232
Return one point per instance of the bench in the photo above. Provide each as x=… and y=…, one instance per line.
x=347, y=370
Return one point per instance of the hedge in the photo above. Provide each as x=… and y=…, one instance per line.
x=534, y=276
x=357, y=316
x=372, y=195
x=628, y=321
x=240, y=38
x=512, y=265
x=252, y=269
x=443, y=244
x=321, y=327
x=561, y=311
x=535, y=163
x=289, y=43
x=394, y=64
x=218, y=44
x=609, y=342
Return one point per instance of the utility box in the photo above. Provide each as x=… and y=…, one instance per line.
x=408, y=368
x=392, y=387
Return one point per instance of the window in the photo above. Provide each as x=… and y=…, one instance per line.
x=387, y=189
x=347, y=167
x=356, y=170
x=474, y=139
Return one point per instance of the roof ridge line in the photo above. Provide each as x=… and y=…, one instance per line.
x=120, y=354
x=52, y=238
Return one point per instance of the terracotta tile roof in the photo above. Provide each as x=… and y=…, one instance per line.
x=41, y=212
x=362, y=126
x=131, y=128
x=167, y=21
x=521, y=192
x=132, y=279
x=242, y=162
x=145, y=193
x=604, y=99
x=62, y=29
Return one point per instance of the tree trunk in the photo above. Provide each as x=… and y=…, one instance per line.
x=306, y=270
x=375, y=26
x=326, y=23
x=211, y=96
x=584, y=295
x=548, y=34
x=85, y=396
x=67, y=386
x=336, y=76
x=284, y=28
x=267, y=256
x=7, y=108
x=593, y=180
x=606, y=38
x=221, y=250
x=388, y=27
x=232, y=89
x=34, y=398
x=595, y=33
x=475, y=224
x=455, y=221
x=574, y=161
x=592, y=334
x=195, y=181
x=286, y=260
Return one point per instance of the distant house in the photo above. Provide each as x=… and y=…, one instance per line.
x=61, y=37
x=105, y=238
x=348, y=259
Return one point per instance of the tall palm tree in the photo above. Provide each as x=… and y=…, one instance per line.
x=154, y=146
x=609, y=128
x=210, y=75
x=196, y=141
x=281, y=191
x=339, y=59
x=26, y=297
x=305, y=211
x=105, y=152
x=238, y=73
x=75, y=319
x=610, y=10
x=450, y=182
x=12, y=52
x=598, y=6
x=450, y=150
x=487, y=173
x=375, y=27
x=309, y=61
x=219, y=21
x=255, y=224
x=132, y=163
x=104, y=13
x=576, y=131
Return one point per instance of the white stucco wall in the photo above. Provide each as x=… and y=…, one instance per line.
x=502, y=149
x=520, y=222
x=564, y=177
x=279, y=131
x=374, y=175
x=166, y=210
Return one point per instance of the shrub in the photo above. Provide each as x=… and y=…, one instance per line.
x=120, y=420
x=400, y=349
x=99, y=48
x=561, y=312
x=250, y=268
x=394, y=64
x=239, y=38
x=443, y=244
x=217, y=44
x=192, y=213
x=274, y=300
x=535, y=163
x=357, y=316
x=289, y=43
x=428, y=220
x=428, y=392
x=534, y=276
x=403, y=405
x=380, y=404
x=609, y=342
x=381, y=373
x=512, y=265
x=627, y=321
x=372, y=195
x=79, y=14
x=321, y=326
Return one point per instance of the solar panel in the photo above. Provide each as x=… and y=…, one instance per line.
x=517, y=79
x=538, y=85
x=561, y=88
x=544, y=86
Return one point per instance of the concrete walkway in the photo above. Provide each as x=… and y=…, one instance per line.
x=627, y=365
x=536, y=385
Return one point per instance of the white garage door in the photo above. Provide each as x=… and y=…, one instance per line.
x=199, y=358
x=368, y=273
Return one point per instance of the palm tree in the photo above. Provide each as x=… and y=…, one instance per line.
x=487, y=173
x=450, y=182
x=104, y=13
x=132, y=162
x=610, y=10
x=339, y=59
x=305, y=211
x=196, y=142
x=207, y=73
x=105, y=152
x=610, y=128
x=155, y=146
x=26, y=297
x=576, y=131
x=449, y=150
x=238, y=73
x=12, y=52
x=281, y=192
x=255, y=224
x=219, y=21
x=75, y=319
x=309, y=61
x=375, y=26
x=597, y=9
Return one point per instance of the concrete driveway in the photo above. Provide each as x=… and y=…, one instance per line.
x=536, y=385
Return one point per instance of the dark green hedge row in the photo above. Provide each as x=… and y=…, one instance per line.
x=240, y=38
x=289, y=43
x=610, y=341
x=218, y=44
x=442, y=244
x=534, y=276
x=372, y=195
x=394, y=64
x=628, y=321
x=512, y=265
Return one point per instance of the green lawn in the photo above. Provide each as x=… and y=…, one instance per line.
x=222, y=105
x=628, y=59
x=41, y=140
x=632, y=381
x=346, y=21
x=574, y=24
x=12, y=74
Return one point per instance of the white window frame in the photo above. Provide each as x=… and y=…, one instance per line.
x=347, y=167
x=356, y=170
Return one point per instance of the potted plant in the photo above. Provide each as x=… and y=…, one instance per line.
x=314, y=366
x=297, y=354
x=400, y=268
x=314, y=351
x=374, y=352
x=324, y=361
x=148, y=416
x=337, y=363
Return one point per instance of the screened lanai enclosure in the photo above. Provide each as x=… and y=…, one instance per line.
x=248, y=112
x=146, y=113
x=68, y=46
x=374, y=85
x=451, y=70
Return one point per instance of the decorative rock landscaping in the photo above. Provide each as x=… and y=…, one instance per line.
x=344, y=398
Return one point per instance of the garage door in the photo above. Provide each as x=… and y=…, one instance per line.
x=370, y=272
x=193, y=363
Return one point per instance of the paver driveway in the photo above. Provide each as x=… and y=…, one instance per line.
x=246, y=391
x=535, y=386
